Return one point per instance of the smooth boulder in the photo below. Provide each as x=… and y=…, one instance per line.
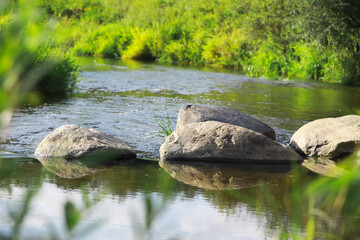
x=328, y=137
x=72, y=141
x=223, y=142
x=197, y=113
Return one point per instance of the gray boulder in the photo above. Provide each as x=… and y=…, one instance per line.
x=196, y=113
x=328, y=137
x=72, y=141
x=223, y=142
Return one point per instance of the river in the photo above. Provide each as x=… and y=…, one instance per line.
x=122, y=99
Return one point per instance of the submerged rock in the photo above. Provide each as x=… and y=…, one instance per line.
x=328, y=137
x=223, y=176
x=223, y=142
x=196, y=113
x=72, y=141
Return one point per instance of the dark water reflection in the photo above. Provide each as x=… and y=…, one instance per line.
x=215, y=176
x=120, y=98
x=77, y=168
x=123, y=186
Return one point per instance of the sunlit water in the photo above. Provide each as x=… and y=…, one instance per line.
x=121, y=98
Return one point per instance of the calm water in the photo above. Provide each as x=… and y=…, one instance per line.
x=121, y=98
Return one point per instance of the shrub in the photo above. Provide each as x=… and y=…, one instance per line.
x=62, y=73
x=310, y=60
x=143, y=46
x=226, y=50
x=272, y=59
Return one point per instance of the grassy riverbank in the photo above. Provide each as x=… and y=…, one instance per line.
x=272, y=38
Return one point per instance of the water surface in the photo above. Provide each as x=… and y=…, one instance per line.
x=121, y=98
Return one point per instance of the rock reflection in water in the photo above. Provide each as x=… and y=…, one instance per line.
x=77, y=168
x=323, y=166
x=211, y=176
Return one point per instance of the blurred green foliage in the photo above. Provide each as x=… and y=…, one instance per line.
x=30, y=65
x=30, y=61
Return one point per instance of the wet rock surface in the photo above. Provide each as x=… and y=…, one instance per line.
x=197, y=113
x=223, y=142
x=328, y=137
x=72, y=142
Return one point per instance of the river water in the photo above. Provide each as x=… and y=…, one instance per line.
x=122, y=98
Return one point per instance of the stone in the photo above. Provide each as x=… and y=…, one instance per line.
x=197, y=113
x=223, y=176
x=223, y=142
x=328, y=137
x=72, y=141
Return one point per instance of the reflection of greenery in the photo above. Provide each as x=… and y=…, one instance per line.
x=326, y=208
x=287, y=204
x=154, y=207
x=294, y=102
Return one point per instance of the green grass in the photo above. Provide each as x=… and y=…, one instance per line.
x=164, y=124
x=259, y=37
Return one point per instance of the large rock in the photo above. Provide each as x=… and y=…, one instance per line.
x=72, y=141
x=196, y=113
x=328, y=137
x=223, y=142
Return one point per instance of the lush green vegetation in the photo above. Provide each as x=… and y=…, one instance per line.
x=271, y=38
